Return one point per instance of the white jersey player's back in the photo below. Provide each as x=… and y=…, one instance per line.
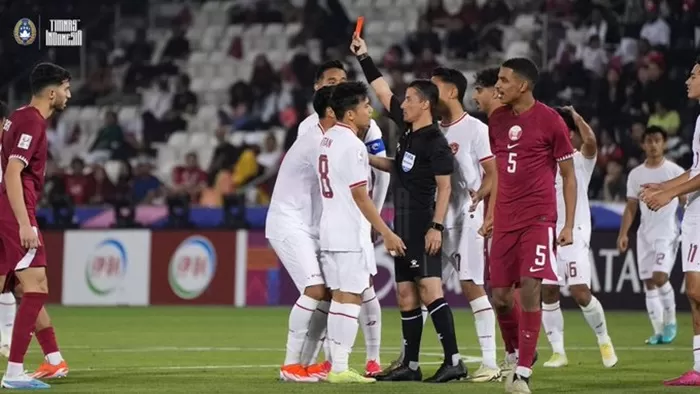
x=296, y=200
x=693, y=206
x=343, y=164
x=662, y=224
x=469, y=140
x=583, y=169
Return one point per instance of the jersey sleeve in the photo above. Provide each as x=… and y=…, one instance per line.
x=633, y=186
x=373, y=139
x=28, y=141
x=355, y=165
x=482, y=146
x=561, y=143
x=440, y=156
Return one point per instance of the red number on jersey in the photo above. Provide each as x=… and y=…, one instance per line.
x=326, y=190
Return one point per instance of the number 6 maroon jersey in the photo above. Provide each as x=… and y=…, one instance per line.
x=24, y=138
x=527, y=149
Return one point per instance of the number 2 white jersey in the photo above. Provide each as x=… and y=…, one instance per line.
x=296, y=202
x=583, y=169
x=343, y=164
x=469, y=140
x=693, y=207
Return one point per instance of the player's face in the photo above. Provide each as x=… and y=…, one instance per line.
x=59, y=96
x=509, y=86
x=654, y=145
x=446, y=93
x=693, y=83
x=331, y=77
x=362, y=114
x=413, y=106
x=483, y=97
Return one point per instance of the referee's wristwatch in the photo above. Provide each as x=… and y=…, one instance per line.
x=437, y=226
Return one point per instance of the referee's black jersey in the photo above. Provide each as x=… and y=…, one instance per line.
x=420, y=156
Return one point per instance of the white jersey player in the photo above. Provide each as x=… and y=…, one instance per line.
x=292, y=230
x=8, y=303
x=346, y=248
x=574, y=261
x=657, y=236
x=332, y=73
x=657, y=196
x=463, y=246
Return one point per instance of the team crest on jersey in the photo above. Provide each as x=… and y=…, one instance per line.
x=515, y=132
x=408, y=160
x=454, y=147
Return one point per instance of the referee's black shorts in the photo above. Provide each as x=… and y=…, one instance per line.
x=416, y=264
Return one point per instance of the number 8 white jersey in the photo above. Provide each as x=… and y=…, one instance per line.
x=343, y=164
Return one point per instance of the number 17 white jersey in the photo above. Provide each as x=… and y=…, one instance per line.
x=343, y=164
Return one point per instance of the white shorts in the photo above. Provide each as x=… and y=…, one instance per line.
x=690, y=239
x=655, y=256
x=299, y=254
x=348, y=272
x=574, y=261
x=463, y=248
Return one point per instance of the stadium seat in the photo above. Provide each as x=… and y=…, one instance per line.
x=236, y=138
x=178, y=139
x=293, y=29
x=202, y=139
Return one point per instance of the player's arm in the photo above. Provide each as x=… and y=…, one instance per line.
x=442, y=164
x=381, y=163
x=381, y=184
x=482, y=149
x=672, y=183
x=627, y=218
x=489, y=166
x=15, y=193
x=568, y=177
x=589, y=148
x=369, y=211
x=563, y=152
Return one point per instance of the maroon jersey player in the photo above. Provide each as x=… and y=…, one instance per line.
x=529, y=140
x=23, y=158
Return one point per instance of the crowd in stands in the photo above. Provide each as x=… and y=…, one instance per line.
x=622, y=64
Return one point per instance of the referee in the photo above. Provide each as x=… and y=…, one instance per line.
x=422, y=166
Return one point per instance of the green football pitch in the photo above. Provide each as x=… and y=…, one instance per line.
x=227, y=350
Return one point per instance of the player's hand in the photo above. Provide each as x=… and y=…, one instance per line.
x=573, y=112
x=28, y=237
x=487, y=227
x=433, y=241
x=476, y=199
x=622, y=243
x=394, y=245
x=358, y=46
x=566, y=237
x=657, y=200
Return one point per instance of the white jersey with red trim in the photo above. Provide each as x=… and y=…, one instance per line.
x=343, y=164
x=583, y=169
x=469, y=140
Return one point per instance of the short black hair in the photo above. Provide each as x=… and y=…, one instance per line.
x=329, y=65
x=453, y=76
x=47, y=74
x=427, y=91
x=322, y=99
x=525, y=68
x=651, y=130
x=568, y=119
x=4, y=111
x=487, y=77
x=347, y=96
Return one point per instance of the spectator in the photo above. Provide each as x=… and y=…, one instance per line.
x=99, y=81
x=54, y=185
x=270, y=156
x=611, y=97
x=146, y=187
x=237, y=114
x=424, y=38
x=189, y=178
x=178, y=47
x=597, y=25
x=123, y=189
x=656, y=30
x=103, y=190
x=436, y=15
x=665, y=118
x=594, y=58
x=425, y=64
x=140, y=49
x=246, y=168
x=56, y=134
x=110, y=140
x=615, y=183
x=213, y=197
x=394, y=58
x=609, y=150
x=184, y=101
x=79, y=185
x=225, y=154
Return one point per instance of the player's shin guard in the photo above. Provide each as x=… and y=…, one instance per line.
x=8, y=310
x=371, y=322
x=485, y=322
x=668, y=300
x=22, y=333
x=655, y=310
x=299, y=319
x=315, y=337
x=342, y=332
x=530, y=323
x=444, y=324
x=553, y=324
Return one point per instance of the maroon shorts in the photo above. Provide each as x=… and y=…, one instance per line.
x=529, y=252
x=14, y=257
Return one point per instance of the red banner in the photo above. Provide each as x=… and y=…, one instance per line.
x=53, y=242
x=190, y=267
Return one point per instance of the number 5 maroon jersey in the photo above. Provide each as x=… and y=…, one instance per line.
x=24, y=138
x=527, y=149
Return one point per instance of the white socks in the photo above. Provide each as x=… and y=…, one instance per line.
x=424, y=312
x=371, y=322
x=668, y=300
x=14, y=369
x=595, y=317
x=316, y=334
x=299, y=319
x=8, y=309
x=696, y=352
x=655, y=310
x=553, y=324
x=485, y=322
x=342, y=331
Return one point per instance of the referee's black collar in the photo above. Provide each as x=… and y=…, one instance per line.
x=432, y=126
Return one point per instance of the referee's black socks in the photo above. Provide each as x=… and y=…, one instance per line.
x=444, y=324
x=412, y=327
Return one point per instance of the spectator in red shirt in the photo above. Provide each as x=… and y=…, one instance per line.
x=103, y=189
x=79, y=185
x=190, y=178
